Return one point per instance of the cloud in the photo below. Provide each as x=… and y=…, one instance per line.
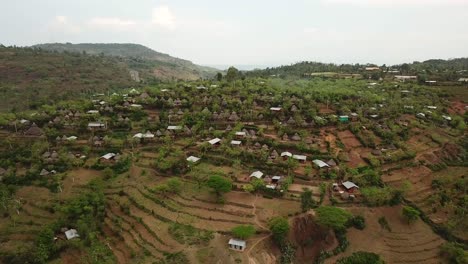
x=111, y=21
x=61, y=20
x=387, y=3
x=311, y=30
x=62, y=24
x=162, y=16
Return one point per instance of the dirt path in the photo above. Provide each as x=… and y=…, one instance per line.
x=260, y=239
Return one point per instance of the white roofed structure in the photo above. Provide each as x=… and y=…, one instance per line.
x=320, y=163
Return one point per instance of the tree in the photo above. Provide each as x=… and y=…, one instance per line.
x=307, y=202
x=410, y=214
x=333, y=217
x=108, y=173
x=219, y=76
x=232, y=74
x=279, y=226
x=161, y=189
x=219, y=184
x=361, y=257
x=243, y=231
x=249, y=188
x=174, y=185
x=454, y=252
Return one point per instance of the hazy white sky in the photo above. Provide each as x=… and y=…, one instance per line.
x=259, y=32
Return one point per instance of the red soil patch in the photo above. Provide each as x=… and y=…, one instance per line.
x=349, y=139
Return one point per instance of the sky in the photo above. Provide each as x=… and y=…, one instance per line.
x=251, y=32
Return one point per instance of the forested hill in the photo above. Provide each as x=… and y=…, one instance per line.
x=434, y=68
x=147, y=62
x=31, y=77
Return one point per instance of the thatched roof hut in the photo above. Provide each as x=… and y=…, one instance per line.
x=296, y=137
x=34, y=130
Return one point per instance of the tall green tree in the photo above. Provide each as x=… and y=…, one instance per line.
x=232, y=74
x=279, y=226
x=307, y=202
x=333, y=217
x=219, y=184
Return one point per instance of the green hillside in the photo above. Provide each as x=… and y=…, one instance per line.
x=147, y=62
x=30, y=77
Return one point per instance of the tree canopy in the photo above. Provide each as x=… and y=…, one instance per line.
x=243, y=231
x=333, y=217
x=279, y=226
x=219, y=184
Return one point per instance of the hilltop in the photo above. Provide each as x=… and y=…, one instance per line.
x=147, y=62
x=31, y=77
x=434, y=69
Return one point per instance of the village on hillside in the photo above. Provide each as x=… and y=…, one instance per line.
x=258, y=170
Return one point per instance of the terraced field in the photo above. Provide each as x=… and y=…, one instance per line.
x=138, y=222
x=414, y=243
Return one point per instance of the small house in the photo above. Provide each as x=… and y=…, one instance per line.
x=109, y=157
x=96, y=125
x=300, y=158
x=173, y=128
x=237, y=244
x=215, y=142
x=285, y=155
x=257, y=174
x=71, y=234
x=350, y=186
x=343, y=118
x=193, y=159
x=320, y=164
x=275, y=109
x=236, y=142
x=240, y=134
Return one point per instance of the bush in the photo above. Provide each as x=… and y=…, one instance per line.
x=279, y=226
x=333, y=217
x=361, y=257
x=410, y=214
x=358, y=222
x=454, y=252
x=384, y=223
x=243, y=231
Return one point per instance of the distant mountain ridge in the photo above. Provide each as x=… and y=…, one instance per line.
x=138, y=57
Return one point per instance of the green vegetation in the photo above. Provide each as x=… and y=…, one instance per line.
x=243, y=231
x=361, y=257
x=279, y=226
x=333, y=217
x=307, y=202
x=410, y=214
x=189, y=235
x=454, y=253
x=219, y=184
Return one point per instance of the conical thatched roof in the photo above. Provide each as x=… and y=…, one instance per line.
x=274, y=154
x=34, y=130
x=228, y=128
x=285, y=136
x=291, y=121
x=296, y=137
x=233, y=117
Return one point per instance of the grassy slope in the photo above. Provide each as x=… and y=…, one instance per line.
x=29, y=77
x=141, y=58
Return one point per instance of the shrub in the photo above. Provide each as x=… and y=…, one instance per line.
x=410, y=214
x=384, y=223
x=279, y=226
x=454, y=252
x=243, y=231
x=361, y=257
x=333, y=217
x=358, y=222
